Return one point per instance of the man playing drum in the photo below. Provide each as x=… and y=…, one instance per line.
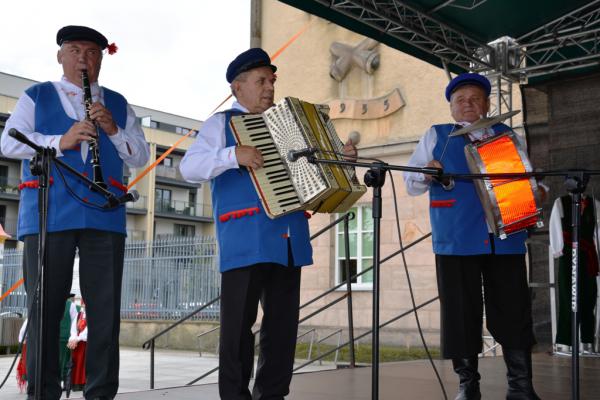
x=469, y=256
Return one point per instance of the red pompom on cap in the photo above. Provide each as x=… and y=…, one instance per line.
x=112, y=48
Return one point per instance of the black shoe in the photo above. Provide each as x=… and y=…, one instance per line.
x=466, y=368
x=519, y=373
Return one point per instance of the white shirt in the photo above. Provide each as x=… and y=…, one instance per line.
x=416, y=182
x=82, y=336
x=73, y=315
x=129, y=142
x=208, y=157
x=555, y=229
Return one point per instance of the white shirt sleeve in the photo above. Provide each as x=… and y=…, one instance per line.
x=22, y=331
x=130, y=142
x=208, y=157
x=416, y=182
x=555, y=229
x=23, y=120
x=73, y=314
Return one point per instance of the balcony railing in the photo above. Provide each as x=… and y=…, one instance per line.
x=183, y=208
x=9, y=185
x=140, y=204
x=169, y=172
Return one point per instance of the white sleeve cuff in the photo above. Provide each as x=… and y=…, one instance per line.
x=228, y=158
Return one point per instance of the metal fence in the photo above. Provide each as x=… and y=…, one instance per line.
x=162, y=279
x=10, y=273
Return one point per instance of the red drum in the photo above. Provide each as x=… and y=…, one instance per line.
x=510, y=205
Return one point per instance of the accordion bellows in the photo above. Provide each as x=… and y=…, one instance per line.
x=284, y=186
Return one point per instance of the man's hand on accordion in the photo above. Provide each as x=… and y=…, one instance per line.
x=350, y=151
x=249, y=156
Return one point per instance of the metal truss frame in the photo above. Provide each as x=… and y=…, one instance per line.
x=412, y=26
x=546, y=50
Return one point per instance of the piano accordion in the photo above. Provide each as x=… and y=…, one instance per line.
x=285, y=186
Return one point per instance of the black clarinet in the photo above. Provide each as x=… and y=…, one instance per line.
x=93, y=143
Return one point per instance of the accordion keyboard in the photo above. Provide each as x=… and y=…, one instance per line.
x=276, y=184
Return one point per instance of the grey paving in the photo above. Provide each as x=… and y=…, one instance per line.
x=173, y=368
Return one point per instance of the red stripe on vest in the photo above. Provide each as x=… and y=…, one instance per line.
x=33, y=184
x=238, y=214
x=442, y=203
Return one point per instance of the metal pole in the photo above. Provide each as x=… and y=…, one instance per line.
x=574, y=295
x=375, y=349
x=349, y=294
x=152, y=364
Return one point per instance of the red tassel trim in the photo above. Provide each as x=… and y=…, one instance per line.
x=238, y=214
x=117, y=184
x=32, y=184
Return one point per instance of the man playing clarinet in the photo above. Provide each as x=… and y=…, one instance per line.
x=52, y=114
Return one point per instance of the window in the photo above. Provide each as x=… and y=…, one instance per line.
x=163, y=200
x=181, y=130
x=3, y=175
x=360, y=232
x=167, y=161
x=184, y=230
x=192, y=198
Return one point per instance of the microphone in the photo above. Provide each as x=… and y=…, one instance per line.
x=113, y=202
x=294, y=155
x=15, y=134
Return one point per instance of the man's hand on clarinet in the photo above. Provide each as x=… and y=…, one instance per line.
x=77, y=133
x=249, y=156
x=103, y=117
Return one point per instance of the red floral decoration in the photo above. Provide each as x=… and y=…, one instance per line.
x=112, y=48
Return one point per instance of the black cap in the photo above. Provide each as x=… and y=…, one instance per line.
x=249, y=59
x=74, y=32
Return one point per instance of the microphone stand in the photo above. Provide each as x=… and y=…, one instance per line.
x=375, y=178
x=575, y=184
x=40, y=166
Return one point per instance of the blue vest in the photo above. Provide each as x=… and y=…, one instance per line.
x=246, y=235
x=66, y=212
x=457, y=217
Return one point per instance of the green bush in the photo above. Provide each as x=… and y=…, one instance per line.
x=8, y=349
x=363, y=353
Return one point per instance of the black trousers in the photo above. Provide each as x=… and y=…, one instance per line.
x=507, y=302
x=100, y=272
x=278, y=290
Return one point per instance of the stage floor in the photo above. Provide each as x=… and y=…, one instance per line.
x=414, y=380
